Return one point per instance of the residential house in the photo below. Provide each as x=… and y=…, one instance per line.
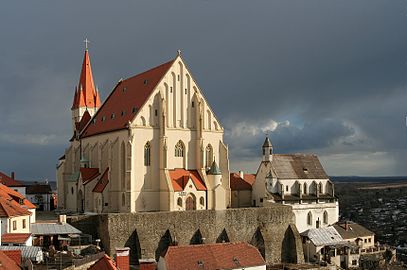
x=241, y=188
x=40, y=194
x=12, y=183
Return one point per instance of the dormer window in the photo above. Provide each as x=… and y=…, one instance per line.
x=112, y=116
x=94, y=120
x=123, y=113
x=103, y=118
x=305, y=170
x=145, y=82
x=134, y=110
x=124, y=89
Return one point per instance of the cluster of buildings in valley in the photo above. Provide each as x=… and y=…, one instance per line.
x=155, y=144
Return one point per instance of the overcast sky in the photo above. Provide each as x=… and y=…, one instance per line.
x=325, y=77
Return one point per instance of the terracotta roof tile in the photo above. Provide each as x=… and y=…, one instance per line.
x=180, y=178
x=9, y=193
x=125, y=100
x=7, y=263
x=89, y=174
x=10, y=208
x=104, y=263
x=8, y=181
x=15, y=255
x=85, y=93
x=245, y=183
x=102, y=183
x=15, y=238
x=213, y=256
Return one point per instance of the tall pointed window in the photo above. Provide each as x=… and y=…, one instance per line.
x=309, y=218
x=179, y=149
x=325, y=217
x=147, y=154
x=209, y=155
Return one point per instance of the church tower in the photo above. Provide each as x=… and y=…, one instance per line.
x=86, y=98
x=267, y=150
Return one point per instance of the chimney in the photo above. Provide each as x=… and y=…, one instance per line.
x=62, y=219
x=122, y=258
x=241, y=174
x=13, y=175
x=346, y=226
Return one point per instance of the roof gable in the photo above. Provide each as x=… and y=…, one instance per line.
x=126, y=99
x=181, y=177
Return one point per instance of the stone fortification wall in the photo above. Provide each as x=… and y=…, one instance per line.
x=270, y=229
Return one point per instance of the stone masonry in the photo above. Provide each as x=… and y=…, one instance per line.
x=271, y=229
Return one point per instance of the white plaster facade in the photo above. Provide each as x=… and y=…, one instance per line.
x=297, y=180
x=174, y=112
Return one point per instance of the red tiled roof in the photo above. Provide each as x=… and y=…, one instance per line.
x=125, y=100
x=8, y=181
x=213, y=256
x=9, y=193
x=85, y=93
x=245, y=183
x=102, y=183
x=15, y=255
x=104, y=263
x=89, y=174
x=7, y=263
x=15, y=238
x=10, y=208
x=180, y=178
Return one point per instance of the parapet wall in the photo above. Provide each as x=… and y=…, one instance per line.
x=270, y=229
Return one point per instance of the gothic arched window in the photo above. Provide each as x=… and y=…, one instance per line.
x=179, y=202
x=305, y=188
x=147, y=154
x=179, y=149
x=325, y=217
x=202, y=201
x=209, y=155
x=309, y=218
x=320, y=188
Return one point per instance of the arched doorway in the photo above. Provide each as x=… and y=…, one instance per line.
x=190, y=203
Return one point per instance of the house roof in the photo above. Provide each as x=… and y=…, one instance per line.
x=125, y=100
x=323, y=236
x=213, y=256
x=15, y=238
x=354, y=230
x=102, y=183
x=85, y=93
x=15, y=255
x=297, y=166
x=180, y=178
x=10, y=208
x=104, y=263
x=7, y=263
x=37, y=188
x=9, y=193
x=89, y=174
x=245, y=183
x=27, y=252
x=8, y=181
x=53, y=229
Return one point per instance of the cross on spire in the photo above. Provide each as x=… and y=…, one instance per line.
x=86, y=41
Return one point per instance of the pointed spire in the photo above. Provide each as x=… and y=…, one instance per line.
x=87, y=95
x=214, y=170
x=267, y=142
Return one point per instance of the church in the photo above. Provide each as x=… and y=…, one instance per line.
x=154, y=144
x=297, y=180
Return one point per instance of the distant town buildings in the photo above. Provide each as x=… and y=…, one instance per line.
x=154, y=144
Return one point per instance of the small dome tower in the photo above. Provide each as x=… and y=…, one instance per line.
x=267, y=150
x=214, y=175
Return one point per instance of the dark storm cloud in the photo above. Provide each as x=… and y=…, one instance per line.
x=325, y=76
